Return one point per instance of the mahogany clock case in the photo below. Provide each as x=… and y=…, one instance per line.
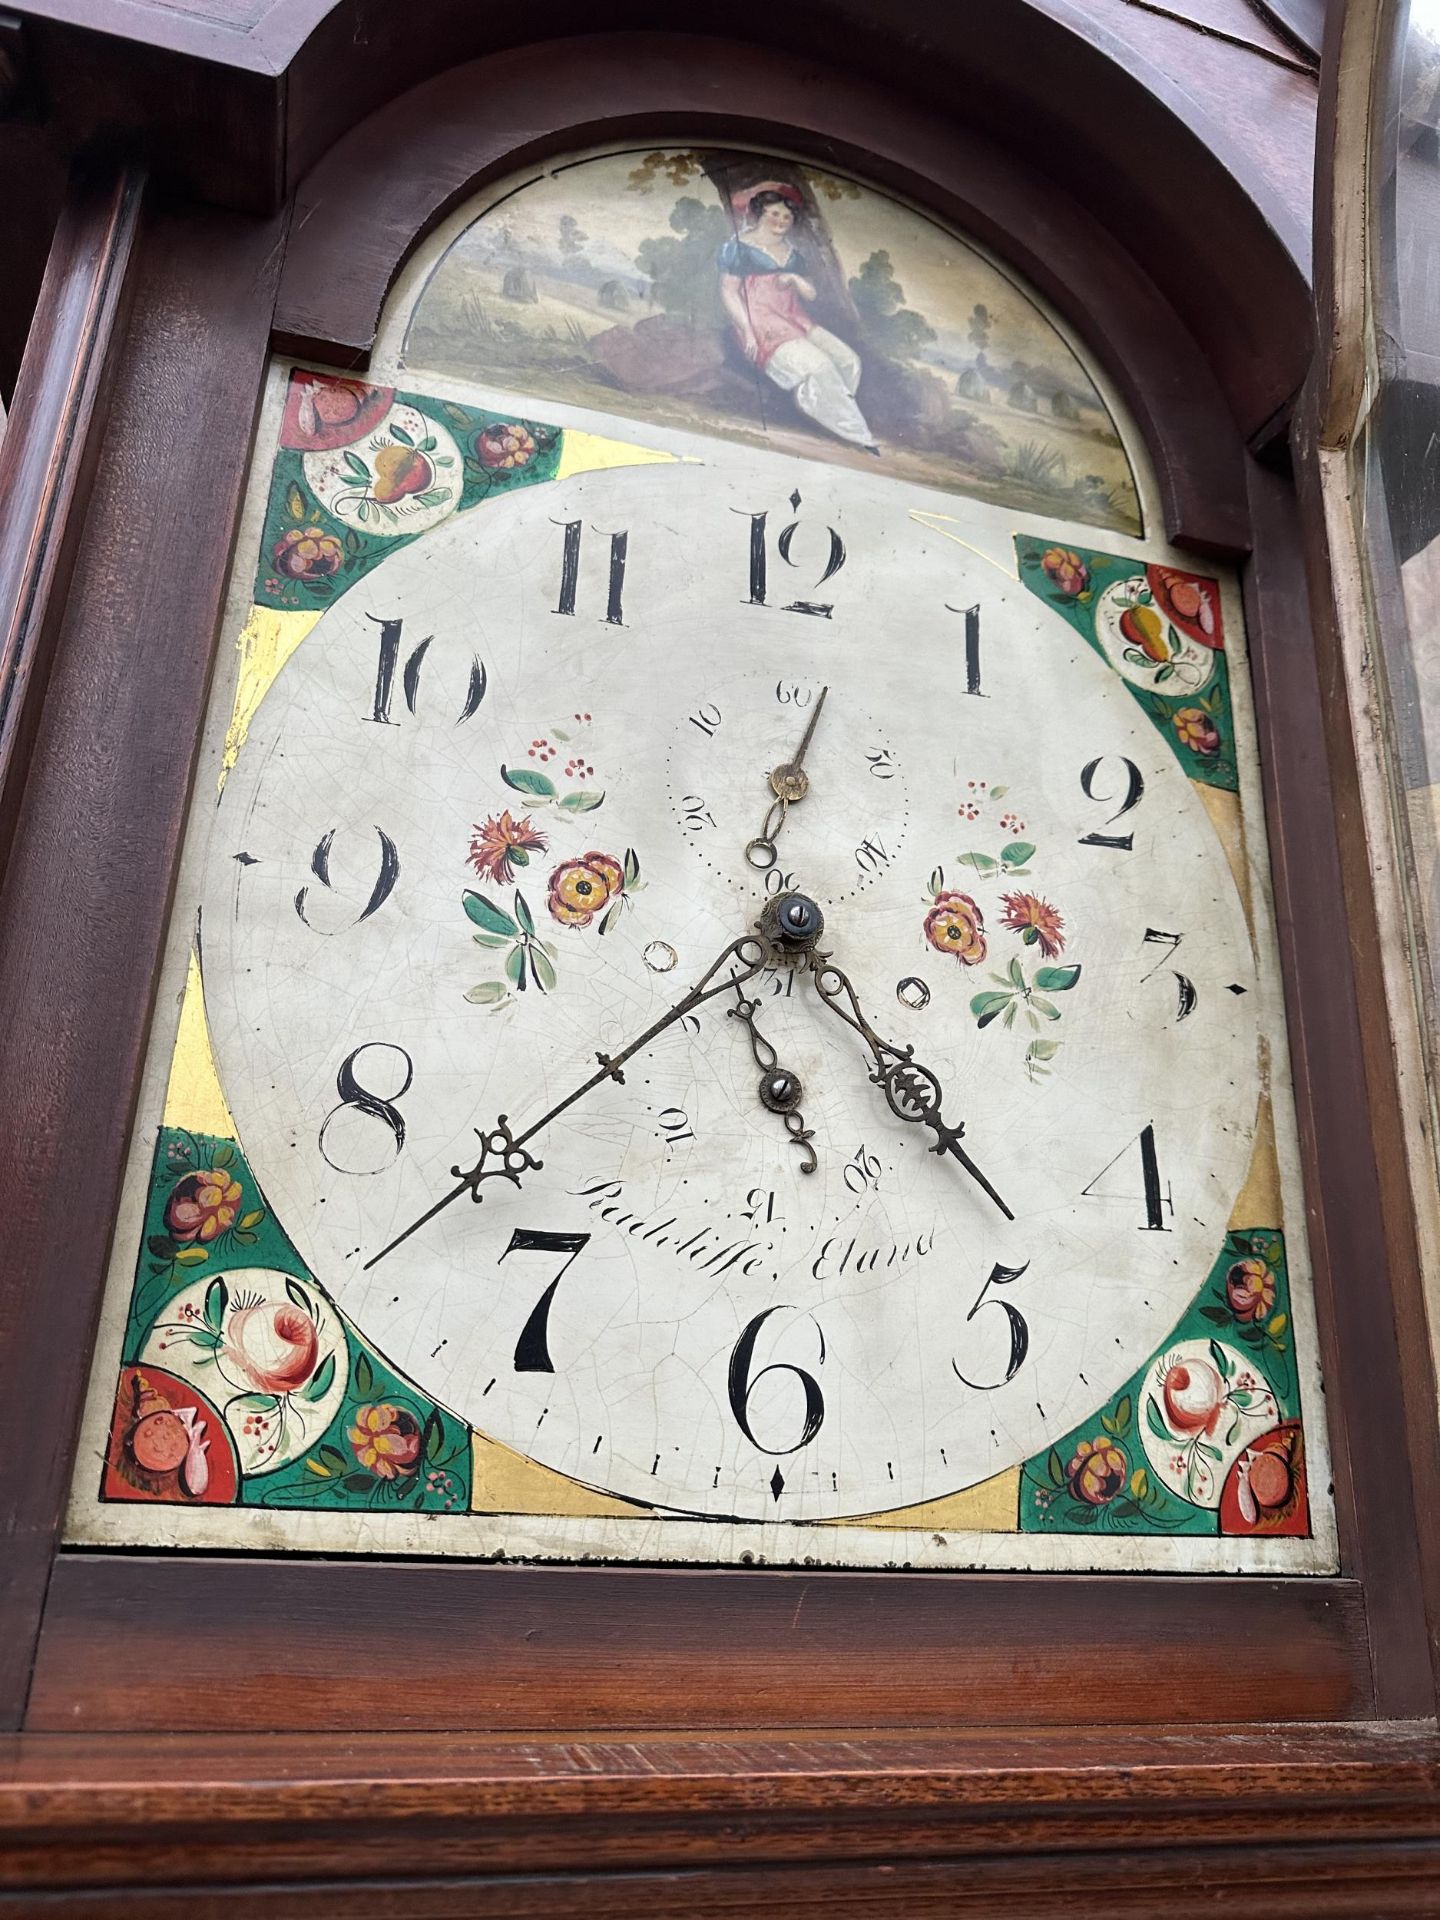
x=726, y=1687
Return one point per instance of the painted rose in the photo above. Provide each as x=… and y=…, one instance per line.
x=1065, y=571
x=1194, y=1396
x=1098, y=1472
x=385, y=1440
x=275, y=1346
x=1035, y=920
x=1192, y=603
x=202, y=1205
x=579, y=889
x=955, y=925
x=501, y=845
x=1250, y=1289
x=504, y=447
x=1197, y=731
x=307, y=553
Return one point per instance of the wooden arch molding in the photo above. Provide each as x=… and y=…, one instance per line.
x=390, y=180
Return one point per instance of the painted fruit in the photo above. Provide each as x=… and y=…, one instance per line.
x=1189, y=602
x=1193, y=1394
x=275, y=1347
x=1270, y=1480
x=1144, y=628
x=336, y=402
x=400, y=471
x=159, y=1442
x=322, y=414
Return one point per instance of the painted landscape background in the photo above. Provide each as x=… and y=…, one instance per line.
x=598, y=284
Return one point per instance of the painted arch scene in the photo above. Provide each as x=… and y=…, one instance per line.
x=759, y=299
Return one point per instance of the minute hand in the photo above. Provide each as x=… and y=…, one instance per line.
x=503, y=1154
x=912, y=1091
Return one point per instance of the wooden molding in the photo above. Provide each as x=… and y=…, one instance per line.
x=88, y=885
x=47, y=452
x=1293, y=1821
x=391, y=179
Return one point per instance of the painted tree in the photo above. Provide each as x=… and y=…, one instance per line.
x=879, y=299
x=681, y=265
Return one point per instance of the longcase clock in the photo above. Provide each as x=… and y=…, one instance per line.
x=723, y=1097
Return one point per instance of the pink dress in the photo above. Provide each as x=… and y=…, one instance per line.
x=776, y=312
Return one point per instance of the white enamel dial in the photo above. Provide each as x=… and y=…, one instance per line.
x=728, y=1334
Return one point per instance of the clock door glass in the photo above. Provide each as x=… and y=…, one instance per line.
x=722, y=1001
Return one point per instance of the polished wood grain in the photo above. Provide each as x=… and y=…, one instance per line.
x=451, y=1818
x=213, y=85
x=89, y=879
x=1292, y=1883
x=48, y=451
x=553, y=1648
x=389, y=181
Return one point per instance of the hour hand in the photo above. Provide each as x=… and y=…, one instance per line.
x=781, y=1089
x=912, y=1092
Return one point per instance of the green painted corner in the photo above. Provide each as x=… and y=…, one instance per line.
x=1198, y=727
x=386, y=1446
x=1118, y=1491
x=309, y=557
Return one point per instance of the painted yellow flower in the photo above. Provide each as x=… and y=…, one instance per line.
x=385, y=1440
x=202, y=1205
x=1197, y=730
x=579, y=889
x=955, y=925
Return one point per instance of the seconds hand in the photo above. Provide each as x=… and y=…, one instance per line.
x=788, y=782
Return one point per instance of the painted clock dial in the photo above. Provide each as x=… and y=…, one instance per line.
x=714, y=537
x=491, y=820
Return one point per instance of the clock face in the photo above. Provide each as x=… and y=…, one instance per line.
x=721, y=1003
x=496, y=819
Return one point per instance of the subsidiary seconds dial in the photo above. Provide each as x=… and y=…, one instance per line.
x=843, y=833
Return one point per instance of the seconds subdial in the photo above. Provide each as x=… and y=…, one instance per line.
x=843, y=836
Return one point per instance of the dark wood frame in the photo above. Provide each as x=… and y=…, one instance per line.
x=765, y=1674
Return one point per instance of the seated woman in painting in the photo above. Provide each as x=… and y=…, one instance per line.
x=763, y=286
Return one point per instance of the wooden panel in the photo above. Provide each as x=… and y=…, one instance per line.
x=390, y=180
x=1359, y=1289
x=48, y=449
x=285, y=1808
x=509, y=1648
x=1286, y=1883
x=91, y=871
